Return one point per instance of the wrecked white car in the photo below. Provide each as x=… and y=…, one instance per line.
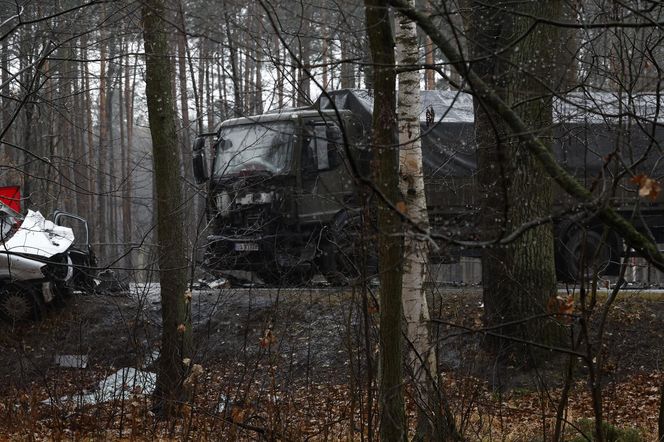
x=36, y=264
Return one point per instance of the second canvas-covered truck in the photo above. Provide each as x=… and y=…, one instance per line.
x=282, y=200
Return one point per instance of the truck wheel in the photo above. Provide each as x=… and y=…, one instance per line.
x=20, y=303
x=583, y=252
x=349, y=253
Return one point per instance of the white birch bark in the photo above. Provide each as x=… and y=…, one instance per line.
x=422, y=356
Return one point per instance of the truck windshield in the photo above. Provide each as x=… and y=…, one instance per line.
x=262, y=147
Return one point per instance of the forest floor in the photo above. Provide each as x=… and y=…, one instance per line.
x=307, y=377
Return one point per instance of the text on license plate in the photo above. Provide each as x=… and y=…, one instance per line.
x=246, y=246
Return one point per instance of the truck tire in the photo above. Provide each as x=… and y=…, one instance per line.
x=20, y=302
x=349, y=252
x=581, y=251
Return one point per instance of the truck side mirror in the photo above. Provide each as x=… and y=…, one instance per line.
x=199, y=161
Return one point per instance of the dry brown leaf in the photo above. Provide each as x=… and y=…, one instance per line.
x=237, y=414
x=267, y=339
x=562, y=307
x=401, y=206
x=648, y=187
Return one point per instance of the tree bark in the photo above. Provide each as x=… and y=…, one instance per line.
x=518, y=279
x=176, y=339
x=112, y=224
x=80, y=165
x=101, y=226
x=438, y=425
x=280, y=66
x=235, y=72
x=130, y=85
x=258, y=55
x=89, y=125
x=184, y=96
x=385, y=149
x=7, y=105
x=304, y=67
x=347, y=76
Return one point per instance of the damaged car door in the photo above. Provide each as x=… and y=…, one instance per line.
x=81, y=253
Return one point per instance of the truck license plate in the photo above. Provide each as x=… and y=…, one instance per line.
x=246, y=247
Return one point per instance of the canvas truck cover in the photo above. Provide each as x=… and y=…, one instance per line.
x=448, y=149
x=587, y=127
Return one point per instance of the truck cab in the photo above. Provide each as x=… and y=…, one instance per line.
x=277, y=185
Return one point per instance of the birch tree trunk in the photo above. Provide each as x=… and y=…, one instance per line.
x=422, y=354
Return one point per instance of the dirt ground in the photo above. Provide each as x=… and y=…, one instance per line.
x=317, y=337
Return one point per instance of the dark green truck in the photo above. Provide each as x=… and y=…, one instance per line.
x=284, y=201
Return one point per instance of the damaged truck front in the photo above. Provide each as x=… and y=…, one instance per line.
x=40, y=262
x=280, y=193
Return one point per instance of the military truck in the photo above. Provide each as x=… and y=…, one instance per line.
x=284, y=199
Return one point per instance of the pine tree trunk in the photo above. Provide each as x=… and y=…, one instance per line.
x=347, y=76
x=176, y=342
x=280, y=66
x=221, y=75
x=235, y=72
x=386, y=177
x=303, y=80
x=102, y=199
x=429, y=74
x=81, y=167
x=209, y=92
x=325, y=61
x=127, y=227
x=112, y=224
x=92, y=215
x=123, y=246
x=184, y=96
x=6, y=102
x=258, y=56
x=202, y=53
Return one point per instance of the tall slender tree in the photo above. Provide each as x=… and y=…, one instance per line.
x=386, y=176
x=176, y=338
x=438, y=423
